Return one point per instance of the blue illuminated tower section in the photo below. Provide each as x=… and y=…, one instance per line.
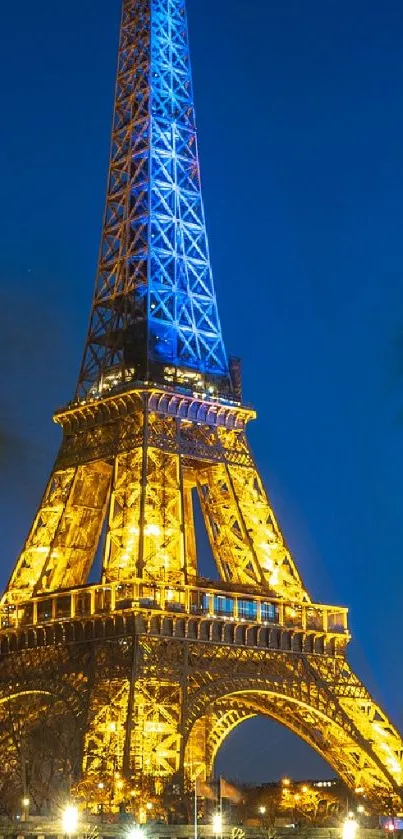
x=154, y=314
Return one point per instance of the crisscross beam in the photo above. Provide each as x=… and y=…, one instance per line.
x=154, y=301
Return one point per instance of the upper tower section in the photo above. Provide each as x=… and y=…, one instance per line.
x=154, y=313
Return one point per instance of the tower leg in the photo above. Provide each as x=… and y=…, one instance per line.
x=61, y=545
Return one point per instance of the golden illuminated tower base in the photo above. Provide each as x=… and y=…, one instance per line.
x=133, y=683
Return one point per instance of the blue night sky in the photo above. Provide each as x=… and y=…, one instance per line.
x=299, y=106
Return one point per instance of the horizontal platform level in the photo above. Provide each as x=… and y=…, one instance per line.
x=162, y=399
x=196, y=612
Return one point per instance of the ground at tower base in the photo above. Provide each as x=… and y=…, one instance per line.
x=285, y=807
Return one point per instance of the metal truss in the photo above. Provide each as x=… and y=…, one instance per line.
x=154, y=298
x=318, y=698
x=144, y=491
x=131, y=684
x=141, y=709
x=132, y=463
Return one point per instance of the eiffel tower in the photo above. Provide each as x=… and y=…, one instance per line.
x=131, y=683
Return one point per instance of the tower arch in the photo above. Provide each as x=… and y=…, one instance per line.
x=340, y=729
x=329, y=739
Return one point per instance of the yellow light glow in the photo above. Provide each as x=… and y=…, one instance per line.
x=217, y=823
x=286, y=782
x=274, y=578
x=25, y=802
x=70, y=819
x=379, y=729
x=349, y=828
x=305, y=788
x=135, y=832
x=152, y=530
x=267, y=564
x=154, y=727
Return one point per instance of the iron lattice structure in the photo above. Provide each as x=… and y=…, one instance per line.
x=131, y=684
x=154, y=301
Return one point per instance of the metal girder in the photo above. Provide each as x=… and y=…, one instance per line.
x=150, y=707
x=139, y=492
x=145, y=673
x=61, y=545
x=154, y=298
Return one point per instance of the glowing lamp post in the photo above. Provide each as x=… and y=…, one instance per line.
x=135, y=832
x=70, y=820
x=217, y=824
x=349, y=828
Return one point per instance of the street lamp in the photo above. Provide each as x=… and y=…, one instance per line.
x=217, y=823
x=349, y=828
x=135, y=832
x=262, y=810
x=70, y=819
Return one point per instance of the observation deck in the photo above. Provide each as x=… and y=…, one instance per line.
x=209, y=612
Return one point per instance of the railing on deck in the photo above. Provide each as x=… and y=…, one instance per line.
x=87, y=601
